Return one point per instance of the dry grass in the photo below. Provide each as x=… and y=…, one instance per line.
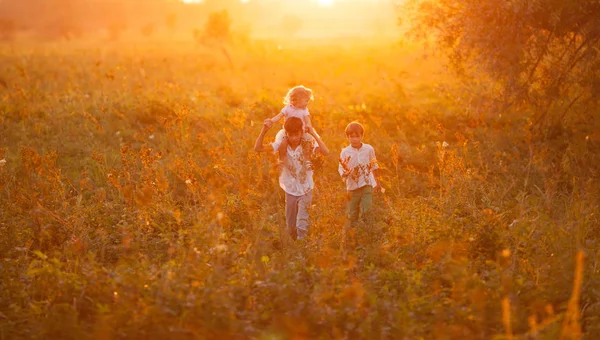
x=132, y=204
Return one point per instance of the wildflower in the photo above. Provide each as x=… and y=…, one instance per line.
x=151, y=136
x=188, y=181
x=221, y=247
x=506, y=253
x=445, y=144
x=118, y=133
x=2, y=162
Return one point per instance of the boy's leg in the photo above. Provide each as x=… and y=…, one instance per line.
x=304, y=204
x=366, y=202
x=291, y=213
x=353, y=206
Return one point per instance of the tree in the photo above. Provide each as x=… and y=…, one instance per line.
x=116, y=30
x=147, y=30
x=218, y=26
x=542, y=53
x=170, y=21
x=8, y=29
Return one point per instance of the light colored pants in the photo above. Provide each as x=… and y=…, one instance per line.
x=296, y=214
x=359, y=204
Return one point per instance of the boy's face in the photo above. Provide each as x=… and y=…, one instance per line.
x=294, y=138
x=355, y=139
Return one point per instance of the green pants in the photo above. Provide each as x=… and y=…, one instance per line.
x=359, y=204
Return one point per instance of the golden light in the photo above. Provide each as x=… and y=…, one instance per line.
x=326, y=2
x=192, y=1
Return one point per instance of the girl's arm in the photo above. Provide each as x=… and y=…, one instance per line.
x=277, y=118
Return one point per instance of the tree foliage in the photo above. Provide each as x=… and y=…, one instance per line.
x=542, y=53
x=218, y=26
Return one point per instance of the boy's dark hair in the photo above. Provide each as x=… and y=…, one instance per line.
x=355, y=127
x=293, y=125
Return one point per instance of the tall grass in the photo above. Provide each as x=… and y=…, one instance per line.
x=132, y=204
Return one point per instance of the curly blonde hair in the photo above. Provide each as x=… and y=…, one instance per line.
x=296, y=93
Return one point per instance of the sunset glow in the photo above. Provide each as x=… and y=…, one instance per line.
x=299, y=169
x=326, y=2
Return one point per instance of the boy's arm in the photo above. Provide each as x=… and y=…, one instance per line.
x=375, y=170
x=322, y=147
x=258, y=145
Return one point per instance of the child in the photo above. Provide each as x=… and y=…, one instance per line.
x=296, y=177
x=296, y=102
x=357, y=167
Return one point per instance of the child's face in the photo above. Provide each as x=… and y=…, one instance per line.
x=355, y=139
x=294, y=138
x=301, y=102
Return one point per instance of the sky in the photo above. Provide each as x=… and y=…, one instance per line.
x=322, y=18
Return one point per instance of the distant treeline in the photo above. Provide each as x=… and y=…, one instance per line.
x=73, y=18
x=68, y=18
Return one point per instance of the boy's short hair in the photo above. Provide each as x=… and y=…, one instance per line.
x=293, y=125
x=355, y=127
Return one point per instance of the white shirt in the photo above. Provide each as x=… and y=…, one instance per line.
x=296, y=177
x=361, y=163
x=291, y=111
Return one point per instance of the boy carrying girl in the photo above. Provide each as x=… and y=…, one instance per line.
x=296, y=177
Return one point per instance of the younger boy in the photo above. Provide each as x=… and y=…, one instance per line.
x=357, y=167
x=296, y=177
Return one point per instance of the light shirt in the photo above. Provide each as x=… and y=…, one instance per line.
x=361, y=163
x=296, y=177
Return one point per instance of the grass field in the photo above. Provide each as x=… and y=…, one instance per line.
x=133, y=206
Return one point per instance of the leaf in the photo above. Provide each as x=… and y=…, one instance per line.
x=40, y=254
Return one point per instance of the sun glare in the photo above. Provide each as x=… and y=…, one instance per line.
x=326, y=2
